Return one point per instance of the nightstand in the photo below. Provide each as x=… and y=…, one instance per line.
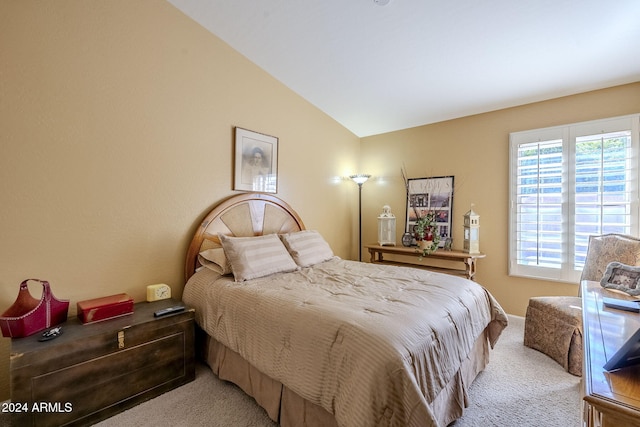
x=94, y=371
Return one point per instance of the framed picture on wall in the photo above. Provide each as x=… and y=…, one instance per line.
x=256, y=162
x=434, y=194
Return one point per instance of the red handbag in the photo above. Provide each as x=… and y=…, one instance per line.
x=28, y=315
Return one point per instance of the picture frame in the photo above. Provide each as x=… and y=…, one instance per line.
x=432, y=193
x=256, y=162
x=622, y=277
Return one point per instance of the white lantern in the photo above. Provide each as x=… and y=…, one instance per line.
x=386, y=227
x=471, y=232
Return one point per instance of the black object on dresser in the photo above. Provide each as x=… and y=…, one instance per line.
x=91, y=372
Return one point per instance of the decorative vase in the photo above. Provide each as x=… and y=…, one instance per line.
x=427, y=246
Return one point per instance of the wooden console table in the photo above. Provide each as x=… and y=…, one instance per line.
x=611, y=399
x=469, y=260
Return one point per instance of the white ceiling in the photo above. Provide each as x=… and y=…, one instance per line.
x=377, y=69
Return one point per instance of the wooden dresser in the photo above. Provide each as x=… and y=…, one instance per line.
x=94, y=371
x=611, y=399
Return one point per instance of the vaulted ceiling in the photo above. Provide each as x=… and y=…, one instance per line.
x=379, y=68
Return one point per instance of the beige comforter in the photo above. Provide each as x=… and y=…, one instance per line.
x=372, y=344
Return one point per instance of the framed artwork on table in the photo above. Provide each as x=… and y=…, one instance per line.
x=256, y=162
x=622, y=277
x=434, y=194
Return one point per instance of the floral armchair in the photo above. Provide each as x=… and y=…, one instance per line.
x=553, y=324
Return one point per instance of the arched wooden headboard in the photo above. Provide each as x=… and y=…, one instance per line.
x=244, y=215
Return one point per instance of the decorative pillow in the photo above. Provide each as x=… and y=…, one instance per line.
x=253, y=257
x=215, y=259
x=307, y=247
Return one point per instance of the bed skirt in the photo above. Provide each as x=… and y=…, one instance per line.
x=289, y=409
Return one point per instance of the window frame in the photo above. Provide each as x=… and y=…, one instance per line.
x=568, y=135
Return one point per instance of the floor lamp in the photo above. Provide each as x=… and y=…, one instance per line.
x=360, y=179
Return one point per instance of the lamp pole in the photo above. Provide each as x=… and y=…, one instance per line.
x=360, y=179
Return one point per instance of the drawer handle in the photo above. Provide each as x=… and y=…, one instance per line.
x=121, y=339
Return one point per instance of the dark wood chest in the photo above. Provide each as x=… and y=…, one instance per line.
x=94, y=371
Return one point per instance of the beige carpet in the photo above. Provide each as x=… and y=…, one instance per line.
x=520, y=387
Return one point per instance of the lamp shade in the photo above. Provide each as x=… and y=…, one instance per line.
x=360, y=178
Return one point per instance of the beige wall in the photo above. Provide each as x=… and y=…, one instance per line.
x=117, y=121
x=475, y=150
x=117, y=133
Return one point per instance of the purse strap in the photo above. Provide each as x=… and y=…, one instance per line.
x=46, y=289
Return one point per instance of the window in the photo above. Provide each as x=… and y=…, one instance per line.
x=567, y=183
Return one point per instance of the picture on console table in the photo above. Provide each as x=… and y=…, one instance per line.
x=433, y=194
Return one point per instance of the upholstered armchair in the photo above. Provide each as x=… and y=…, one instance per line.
x=553, y=325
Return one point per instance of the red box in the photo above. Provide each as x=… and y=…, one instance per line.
x=105, y=308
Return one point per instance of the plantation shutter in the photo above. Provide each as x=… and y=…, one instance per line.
x=568, y=183
x=606, y=175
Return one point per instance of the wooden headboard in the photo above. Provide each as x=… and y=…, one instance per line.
x=244, y=215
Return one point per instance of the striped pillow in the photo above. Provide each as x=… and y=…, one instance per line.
x=307, y=247
x=253, y=257
x=216, y=260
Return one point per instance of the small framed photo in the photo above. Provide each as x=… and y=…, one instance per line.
x=256, y=162
x=622, y=277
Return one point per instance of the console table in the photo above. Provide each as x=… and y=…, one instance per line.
x=611, y=399
x=469, y=260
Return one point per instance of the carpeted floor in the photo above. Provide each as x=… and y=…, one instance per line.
x=520, y=387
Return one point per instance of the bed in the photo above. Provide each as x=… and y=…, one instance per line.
x=318, y=340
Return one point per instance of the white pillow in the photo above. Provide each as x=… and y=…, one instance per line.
x=307, y=247
x=215, y=259
x=253, y=257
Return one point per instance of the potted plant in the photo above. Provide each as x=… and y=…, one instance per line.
x=427, y=235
